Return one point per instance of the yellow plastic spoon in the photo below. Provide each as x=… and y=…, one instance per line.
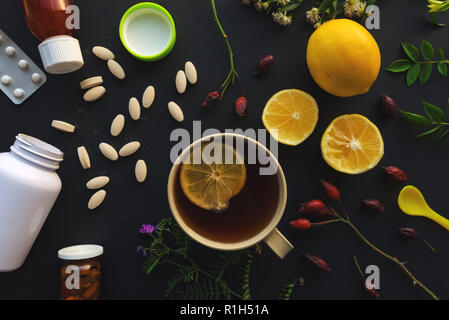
x=412, y=202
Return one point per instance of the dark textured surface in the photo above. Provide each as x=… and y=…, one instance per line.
x=128, y=205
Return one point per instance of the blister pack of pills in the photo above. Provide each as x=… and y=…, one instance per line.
x=20, y=77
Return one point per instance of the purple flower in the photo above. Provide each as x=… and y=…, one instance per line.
x=141, y=250
x=146, y=229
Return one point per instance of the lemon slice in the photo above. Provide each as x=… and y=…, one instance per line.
x=352, y=144
x=211, y=184
x=290, y=116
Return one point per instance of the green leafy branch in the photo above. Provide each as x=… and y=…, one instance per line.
x=419, y=64
x=435, y=117
x=436, y=6
x=170, y=245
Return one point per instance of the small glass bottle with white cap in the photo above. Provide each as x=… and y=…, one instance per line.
x=80, y=272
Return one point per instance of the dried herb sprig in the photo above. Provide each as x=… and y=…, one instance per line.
x=333, y=194
x=434, y=117
x=419, y=64
x=435, y=7
x=232, y=77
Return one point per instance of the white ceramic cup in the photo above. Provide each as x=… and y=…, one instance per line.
x=270, y=234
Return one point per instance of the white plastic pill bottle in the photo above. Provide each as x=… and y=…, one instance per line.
x=29, y=186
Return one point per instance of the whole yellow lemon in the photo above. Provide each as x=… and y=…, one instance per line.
x=343, y=58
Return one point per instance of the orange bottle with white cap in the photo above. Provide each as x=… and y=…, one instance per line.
x=51, y=22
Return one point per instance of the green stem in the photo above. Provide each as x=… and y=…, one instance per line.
x=232, y=73
x=441, y=123
x=428, y=245
x=358, y=267
x=433, y=61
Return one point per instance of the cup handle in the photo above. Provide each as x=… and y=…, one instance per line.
x=278, y=243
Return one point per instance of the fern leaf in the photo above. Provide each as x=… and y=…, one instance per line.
x=150, y=263
x=244, y=276
x=287, y=290
x=172, y=283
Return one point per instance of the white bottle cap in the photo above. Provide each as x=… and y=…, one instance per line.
x=61, y=54
x=80, y=252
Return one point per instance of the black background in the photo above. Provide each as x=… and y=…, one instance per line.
x=115, y=224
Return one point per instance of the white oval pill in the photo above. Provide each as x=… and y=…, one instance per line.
x=23, y=64
x=134, y=108
x=141, y=171
x=63, y=126
x=94, y=93
x=191, y=74
x=83, y=157
x=91, y=82
x=18, y=93
x=103, y=53
x=6, y=80
x=97, y=182
x=175, y=111
x=148, y=97
x=108, y=151
x=129, y=148
x=10, y=51
x=96, y=199
x=181, y=82
x=116, y=69
x=36, y=77
x=117, y=125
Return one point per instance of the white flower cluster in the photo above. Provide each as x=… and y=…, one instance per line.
x=354, y=8
x=282, y=18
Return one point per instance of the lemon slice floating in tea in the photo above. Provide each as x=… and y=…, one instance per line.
x=212, y=184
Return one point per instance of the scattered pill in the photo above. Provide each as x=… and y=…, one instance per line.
x=191, y=74
x=83, y=157
x=134, y=108
x=116, y=69
x=10, y=51
x=96, y=200
x=63, y=126
x=97, y=182
x=148, y=97
x=181, y=82
x=91, y=82
x=117, y=125
x=103, y=53
x=108, y=151
x=6, y=80
x=18, y=93
x=129, y=149
x=175, y=111
x=23, y=64
x=94, y=93
x=141, y=171
x=36, y=77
